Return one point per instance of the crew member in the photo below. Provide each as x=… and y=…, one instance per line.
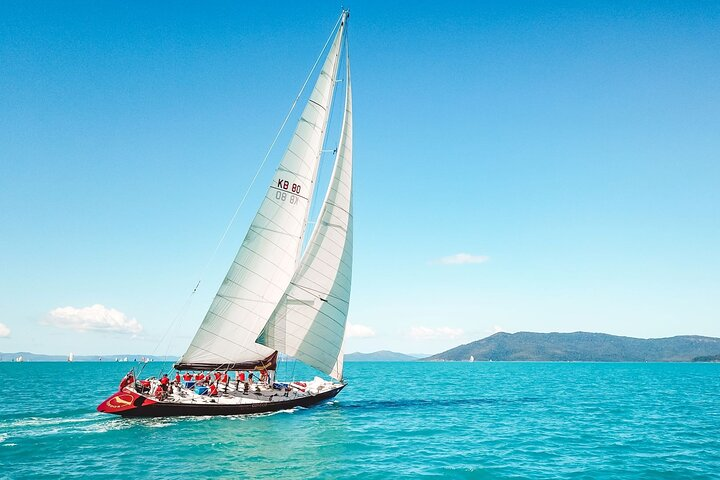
x=128, y=379
x=164, y=382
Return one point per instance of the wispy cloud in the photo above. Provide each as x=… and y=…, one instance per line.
x=4, y=331
x=461, y=259
x=354, y=330
x=427, y=333
x=96, y=318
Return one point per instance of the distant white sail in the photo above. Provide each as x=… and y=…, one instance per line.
x=268, y=257
x=309, y=322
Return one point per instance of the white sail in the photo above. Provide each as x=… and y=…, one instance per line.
x=309, y=322
x=269, y=254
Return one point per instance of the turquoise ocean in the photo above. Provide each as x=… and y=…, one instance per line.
x=394, y=420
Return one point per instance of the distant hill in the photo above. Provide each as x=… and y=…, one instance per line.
x=381, y=356
x=707, y=359
x=582, y=347
x=39, y=357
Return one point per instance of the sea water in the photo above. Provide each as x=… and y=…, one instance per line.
x=394, y=420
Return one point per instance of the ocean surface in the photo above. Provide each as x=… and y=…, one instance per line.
x=395, y=420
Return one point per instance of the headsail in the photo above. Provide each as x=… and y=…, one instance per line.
x=309, y=322
x=267, y=259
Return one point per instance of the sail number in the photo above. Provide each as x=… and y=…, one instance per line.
x=284, y=187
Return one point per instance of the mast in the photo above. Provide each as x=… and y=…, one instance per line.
x=268, y=256
x=309, y=322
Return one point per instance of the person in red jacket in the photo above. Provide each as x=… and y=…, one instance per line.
x=129, y=379
x=165, y=382
x=213, y=391
x=199, y=377
x=187, y=377
x=177, y=378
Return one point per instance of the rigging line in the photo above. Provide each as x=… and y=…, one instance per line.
x=267, y=154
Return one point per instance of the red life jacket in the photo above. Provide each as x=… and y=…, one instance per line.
x=213, y=389
x=164, y=380
x=187, y=377
x=217, y=375
x=199, y=376
x=242, y=376
x=177, y=378
x=224, y=378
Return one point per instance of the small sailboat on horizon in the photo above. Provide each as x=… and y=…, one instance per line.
x=273, y=299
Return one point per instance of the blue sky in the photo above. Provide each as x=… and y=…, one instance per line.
x=569, y=150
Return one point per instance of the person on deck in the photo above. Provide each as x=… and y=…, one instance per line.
x=128, y=380
x=250, y=378
x=177, y=378
x=224, y=379
x=164, y=382
x=199, y=377
x=213, y=391
x=187, y=377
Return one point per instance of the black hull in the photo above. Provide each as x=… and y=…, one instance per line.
x=161, y=409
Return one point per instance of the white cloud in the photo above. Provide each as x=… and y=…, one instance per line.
x=426, y=333
x=461, y=259
x=96, y=318
x=358, y=331
x=4, y=331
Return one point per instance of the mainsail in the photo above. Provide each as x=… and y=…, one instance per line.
x=268, y=257
x=309, y=322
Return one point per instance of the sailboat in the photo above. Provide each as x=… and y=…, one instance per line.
x=277, y=298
